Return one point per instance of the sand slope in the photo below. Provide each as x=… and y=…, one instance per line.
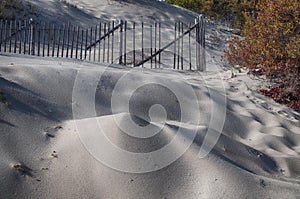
x=257, y=155
x=41, y=148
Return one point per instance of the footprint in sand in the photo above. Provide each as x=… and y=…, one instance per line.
x=51, y=132
x=24, y=170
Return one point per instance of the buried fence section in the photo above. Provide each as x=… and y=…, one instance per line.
x=152, y=45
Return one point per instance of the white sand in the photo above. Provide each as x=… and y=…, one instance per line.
x=256, y=156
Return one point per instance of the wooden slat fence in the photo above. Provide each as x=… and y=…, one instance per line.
x=120, y=42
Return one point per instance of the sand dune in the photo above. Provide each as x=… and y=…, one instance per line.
x=74, y=129
x=257, y=154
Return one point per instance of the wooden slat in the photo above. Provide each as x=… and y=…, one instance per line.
x=1, y=36
x=96, y=29
x=99, y=49
x=16, y=36
x=54, y=39
x=143, y=44
x=72, y=44
x=151, y=50
x=112, y=42
x=104, y=42
x=44, y=38
x=133, y=39
x=68, y=39
x=59, y=38
x=77, y=40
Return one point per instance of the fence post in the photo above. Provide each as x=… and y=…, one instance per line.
x=5, y=35
x=72, y=44
x=68, y=38
x=190, y=50
x=151, y=50
x=125, y=43
x=25, y=37
x=197, y=22
x=99, y=49
x=143, y=43
x=59, y=37
x=10, y=32
x=20, y=37
x=81, y=45
x=48, y=38
x=104, y=44
x=133, y=44
x=16, y=36
x=32, y=36
x=121, y=42
x=178, y=51
x=112, y=42
x=77, y=39
x=86, y=43
x=155, y=42
x=1, y=27
x=108, y=41
x=63, y=40
x=39, y=40
x=159, y=44
x=44, y=38
x=91, y=41
x=202, y=43
x=175, y=37
x=54, y=39
x=95, y=47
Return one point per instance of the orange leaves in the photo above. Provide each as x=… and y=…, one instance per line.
x=271, y=44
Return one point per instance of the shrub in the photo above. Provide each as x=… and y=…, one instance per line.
x=229, y=10
x=271, y=46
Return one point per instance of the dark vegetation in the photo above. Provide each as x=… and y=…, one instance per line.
x=270, y=45
x=16, y=9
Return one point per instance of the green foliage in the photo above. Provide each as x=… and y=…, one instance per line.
x=230, y=10
x=271, y=44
